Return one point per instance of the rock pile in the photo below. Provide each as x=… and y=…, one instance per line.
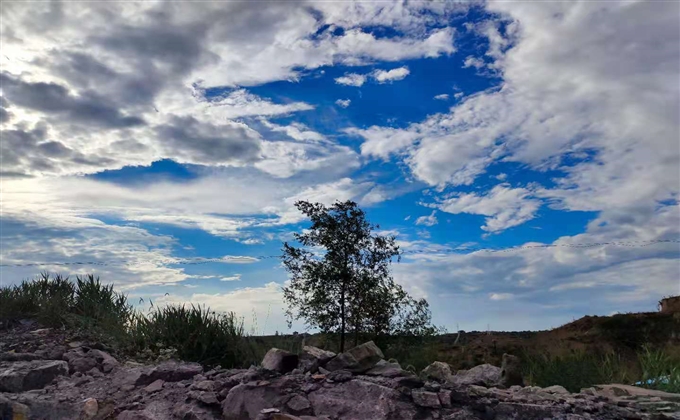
x=86, y=382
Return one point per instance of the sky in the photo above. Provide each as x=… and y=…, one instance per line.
x=167, y=142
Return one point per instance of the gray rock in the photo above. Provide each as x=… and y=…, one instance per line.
x=155, y=386
x=279, y=360
x=339, y=376
x=359, y=399
x=35, y=374
x=437, y=371
x=556, y=389
x=484, y=375
x=358, y=359
x=170, y=371
x=312, y=358
x=83, y=359
x=386, y=369
x=424, y=398
x=445, y=397
x=511, y=371
x=299, y=404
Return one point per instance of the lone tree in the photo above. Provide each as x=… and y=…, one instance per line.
x=340, y=277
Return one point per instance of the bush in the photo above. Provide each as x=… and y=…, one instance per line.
x=196, y=333
x=576, y=370
x=659, y=370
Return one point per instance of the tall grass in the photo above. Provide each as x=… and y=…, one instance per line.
x=576, y=370
x=97, y=312
x=196, y=333
x=659, y=370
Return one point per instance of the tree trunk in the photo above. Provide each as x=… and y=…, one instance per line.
x=342, y=319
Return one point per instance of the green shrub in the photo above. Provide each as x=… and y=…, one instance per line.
x=659, y=370
x=574, y=371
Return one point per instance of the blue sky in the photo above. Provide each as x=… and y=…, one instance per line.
x=189, y=131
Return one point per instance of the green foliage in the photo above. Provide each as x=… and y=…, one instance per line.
x=340, y=277
x=633, y=332
x=574, y=371
x=659, y=370
x=196, y=333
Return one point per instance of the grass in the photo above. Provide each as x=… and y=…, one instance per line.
x=97, y=312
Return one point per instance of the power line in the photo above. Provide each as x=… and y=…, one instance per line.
x=247, y=259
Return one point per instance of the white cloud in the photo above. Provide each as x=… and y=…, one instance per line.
x=351, y=79
x=501, y=177
x=388, y=76
x=442, y=97
x=343, y=103
x=500, y=296
x=560, y=98
x=505, y=207
x=235, y=277
x=549, y=286
x=383, y=141
x=475, y=62
x=430, y=220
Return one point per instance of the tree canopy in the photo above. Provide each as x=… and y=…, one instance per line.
x=340, y=276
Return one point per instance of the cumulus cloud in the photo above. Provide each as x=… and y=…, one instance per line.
x=235, y=277
x=430, y=220
x=442, y=97
x=557, y=282
x=343, y=103
x=388, y=76
x=107, y=89
x=351, y=79
x=504, y=206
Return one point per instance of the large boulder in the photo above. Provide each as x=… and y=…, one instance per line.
x=437, y=371
x=35, y=374
x=312, y=358
x=358, y=359
x=387, y=369
x=484, y=375
x=358, y=399
x=511, y=371
x=279, y=360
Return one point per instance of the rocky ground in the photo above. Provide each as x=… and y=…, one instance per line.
x=46, y=374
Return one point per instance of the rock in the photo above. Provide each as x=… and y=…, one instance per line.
x=170, y=371
x=359, y=399
x=206, y=397
x=299, y=404
x=134, y=415
x=339, y=376
x=386, y=369
x=83, y=359
x=312, y=358
x=556, y=389
x=279, y=360
x=424, y=398
x=35, y=374
x=511, y=371
x=445, y=397
x=154, y=386
x=90, y=408
x=484, y=375
x=204, y=386
x=18, y=357
x=358, y=359
x=437, y=371
x=246, y=402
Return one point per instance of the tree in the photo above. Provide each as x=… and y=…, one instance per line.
x=340, y=276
